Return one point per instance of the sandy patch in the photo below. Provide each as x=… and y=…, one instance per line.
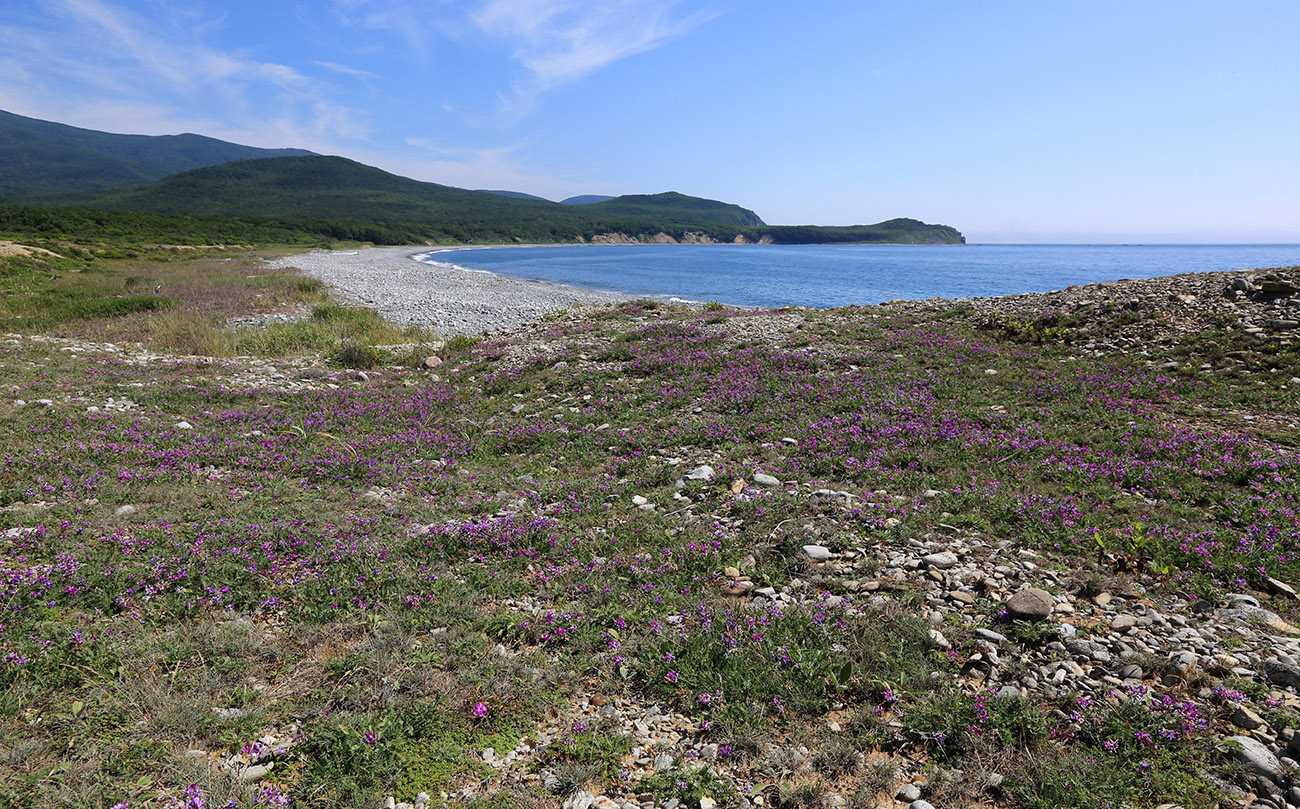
x=204, y=246
x=8, y=248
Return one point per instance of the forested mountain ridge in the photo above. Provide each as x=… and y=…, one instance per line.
x=47, y=165
x=340, y=198
x=702, y=210
x=40, y=158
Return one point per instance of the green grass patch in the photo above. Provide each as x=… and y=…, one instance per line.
x=357, y=759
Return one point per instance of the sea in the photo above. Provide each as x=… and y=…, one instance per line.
x=822, y=276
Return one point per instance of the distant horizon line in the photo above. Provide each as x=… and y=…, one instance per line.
x=1135, y=243
x=1261, y=237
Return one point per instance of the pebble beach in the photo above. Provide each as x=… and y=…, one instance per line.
x=447, y=298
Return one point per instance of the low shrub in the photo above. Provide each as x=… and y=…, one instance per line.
x=352, y=355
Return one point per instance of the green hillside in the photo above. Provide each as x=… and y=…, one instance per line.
x=348, y=200
x=291, y=191
x=315, y=187
x=333, y=197
x=42, y=157
x=892, y=231
x=699, y=210
x=335, y=187
x=514, y=194
x=124, y=228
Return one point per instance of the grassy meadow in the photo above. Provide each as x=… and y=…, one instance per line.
x=223, y=550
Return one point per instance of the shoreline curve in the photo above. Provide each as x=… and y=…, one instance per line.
x=446, y=297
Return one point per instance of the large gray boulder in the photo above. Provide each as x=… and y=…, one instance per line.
x=1033, y=604
x=1257, y=758
x=1282, y=674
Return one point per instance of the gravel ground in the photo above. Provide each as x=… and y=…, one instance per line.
x=450, y=300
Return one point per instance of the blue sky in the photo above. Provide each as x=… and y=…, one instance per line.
x=1012, y=121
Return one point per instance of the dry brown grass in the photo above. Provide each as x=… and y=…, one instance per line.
x=206, y=292
x=195, y=301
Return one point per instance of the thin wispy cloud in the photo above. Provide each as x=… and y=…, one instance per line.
x=408, y=20
x=549, y=42
x=486, y=167
x=559, y=41
x=119, y=33
x=117, y=59
x=355, y=73
x=497, y=158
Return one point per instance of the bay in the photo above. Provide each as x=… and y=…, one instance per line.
x=839, y=275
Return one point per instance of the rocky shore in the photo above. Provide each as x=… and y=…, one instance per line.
x=1263, y=304
x=1143, y=315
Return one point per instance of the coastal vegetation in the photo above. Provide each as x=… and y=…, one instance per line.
x=120, y=234
x=641, y=551
x=338, y=198
x=680, y=206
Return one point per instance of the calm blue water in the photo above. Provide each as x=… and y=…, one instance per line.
x=838, y=275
